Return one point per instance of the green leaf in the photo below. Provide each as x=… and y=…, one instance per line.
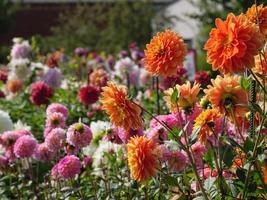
x=228, y=156
x=175, y=133
x=170, y=180
x=241, y=174
x=256, y=108
x=244, y=83
x=248, y=145
x=208, y=157
x=175, y=95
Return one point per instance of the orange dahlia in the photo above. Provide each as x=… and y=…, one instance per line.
x=258, y=15
x=143, y=156
x=260, y=64
x=228, y=96
x=188, y=96
x=264, y=170
x=233, y=44
x=165, y=53
x=121, y=110
x=206, y=123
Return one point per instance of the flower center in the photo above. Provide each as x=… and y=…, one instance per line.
x=79, y=128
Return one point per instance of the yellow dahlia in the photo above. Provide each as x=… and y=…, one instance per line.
x=187, y=96
x=206, y=123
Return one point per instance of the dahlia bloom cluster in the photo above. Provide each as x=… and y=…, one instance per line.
x=40, y=93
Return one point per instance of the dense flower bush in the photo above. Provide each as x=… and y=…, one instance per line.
x=97, y=126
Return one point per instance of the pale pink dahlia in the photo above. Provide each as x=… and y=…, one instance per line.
x=3, y=163
x=79, y=135
x=55, y=120
x=43, y=153
x=55, y=139
x=157, y=134
x=25, y=146
x=68, y=167
x=59, y=108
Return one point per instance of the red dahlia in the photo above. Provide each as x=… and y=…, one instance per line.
x=88, y=94
x=40, y=93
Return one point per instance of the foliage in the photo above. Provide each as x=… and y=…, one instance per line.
x=114, y=28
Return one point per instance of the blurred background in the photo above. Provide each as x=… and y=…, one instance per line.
x=110, y=25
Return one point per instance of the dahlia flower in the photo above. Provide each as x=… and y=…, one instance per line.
x=55, y=139
x=79, y=135
x=165, y=53
x=14, y=85
x=3, y=75
x=25, y=146
x=68, y=167
x=21, y=50
x=186, y=98
x=55, y=120
x=53, y=77
x=177, y=161
x=99, y=78
x=258, y=16
x=233, y=44
x=59, y=108
x=206, y=123
x=143, y=155
x=227, y=95
x=88, y=94
x=121, y=110
x=40, y=93
x=43, y=153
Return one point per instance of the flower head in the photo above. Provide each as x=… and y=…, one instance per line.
x=226, y=95
x=43, y=153
x=3, y=75
x=165, y=53
x=143, y=155
x=258, y=15
x=40, y=93
x=57, y=107
x=177, y=161
x=21, y=50
x=55, y=139
x=68, y=167
x=55, y=120
x=99, y=77
x=187, y=96
x=122, y=112
x=205, y=122
x=14, y=85
x=233, y=44
x=79, y=135
x=25, y=146
x=88, y=94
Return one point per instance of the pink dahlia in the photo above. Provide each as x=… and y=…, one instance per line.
x=70, y=149
x=59, y=108
x=126, y=135
x=40, y=93
x=8, y=138
x=79, y=135
x=177, y=161
x=170, y=120
x=55, y=120
x=88, y=94
x=43, y=153
x=54, y=171
x=68, y=167
x=198, y=151
x=23, y=132
x=55, y=139
x=157, y=134
x=87, y=161
x=25, y=146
